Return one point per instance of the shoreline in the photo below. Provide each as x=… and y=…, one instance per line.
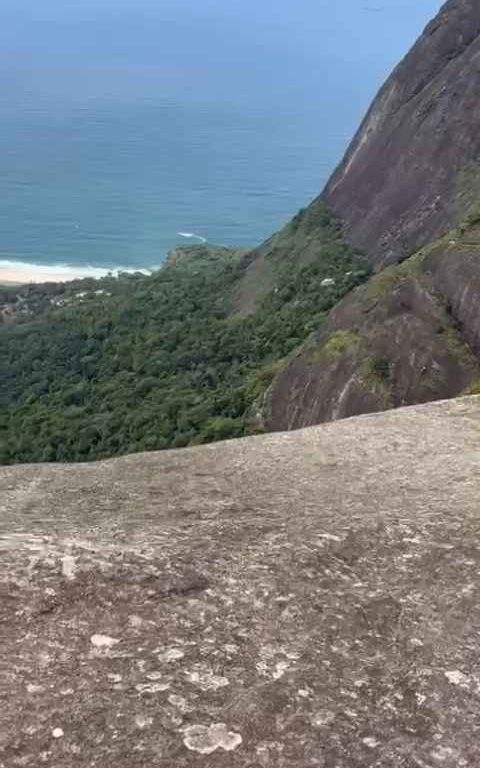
x=19, y=273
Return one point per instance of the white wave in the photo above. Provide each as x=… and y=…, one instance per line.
x=192, y=235
x=23, y=272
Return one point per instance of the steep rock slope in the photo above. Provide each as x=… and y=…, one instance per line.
x=412, y=170
x=409, y=184
x=412, y=163
x=410, y=335
x=306, y=599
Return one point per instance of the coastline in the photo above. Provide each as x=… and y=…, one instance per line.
x=22, y=273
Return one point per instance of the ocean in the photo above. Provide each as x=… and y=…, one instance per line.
x=128, y=129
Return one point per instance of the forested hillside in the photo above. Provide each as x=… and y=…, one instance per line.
x=100, y=368
x=221, y=343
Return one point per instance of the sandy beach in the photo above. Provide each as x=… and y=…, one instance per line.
x=18, y=273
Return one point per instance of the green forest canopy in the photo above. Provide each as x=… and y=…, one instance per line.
x=139, y=363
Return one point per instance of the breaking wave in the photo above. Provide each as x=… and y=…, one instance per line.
x=192, y=236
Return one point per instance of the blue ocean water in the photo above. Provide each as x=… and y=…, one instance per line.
x=123, y=125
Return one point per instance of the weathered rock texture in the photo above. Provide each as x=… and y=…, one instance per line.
x=413, y=168
x=296, y=600
x=410, y=335
x=409, y=184
x=404, y=176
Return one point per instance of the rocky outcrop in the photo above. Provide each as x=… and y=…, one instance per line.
x=414, y=162
x=455, y=271
x=409, y=184
x=410, y=335
x=304, y=599
x=413, y=169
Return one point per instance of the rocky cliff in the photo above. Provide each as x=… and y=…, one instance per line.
x=411, y=334
x=300, y=600
x=413, y=164
x=408, y=192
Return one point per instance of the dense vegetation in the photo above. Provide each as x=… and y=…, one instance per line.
x=100, y=368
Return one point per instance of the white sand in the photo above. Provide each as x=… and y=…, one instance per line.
x=17, y=273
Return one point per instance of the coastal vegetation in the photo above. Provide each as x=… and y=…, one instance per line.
x=94, y=369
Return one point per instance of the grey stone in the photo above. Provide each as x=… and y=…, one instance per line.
x=289, y=601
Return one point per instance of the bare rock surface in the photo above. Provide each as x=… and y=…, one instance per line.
x=407, y=192
x=412, y=171
x=294, y=600
x=410, y=335
x=413, y=165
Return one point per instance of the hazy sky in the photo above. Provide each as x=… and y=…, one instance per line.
x=209, y=47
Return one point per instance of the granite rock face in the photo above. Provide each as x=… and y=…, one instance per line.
x=410, y=335
x=408, y=192
x=303, y=599
x=374, y=353
x=414, y=163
